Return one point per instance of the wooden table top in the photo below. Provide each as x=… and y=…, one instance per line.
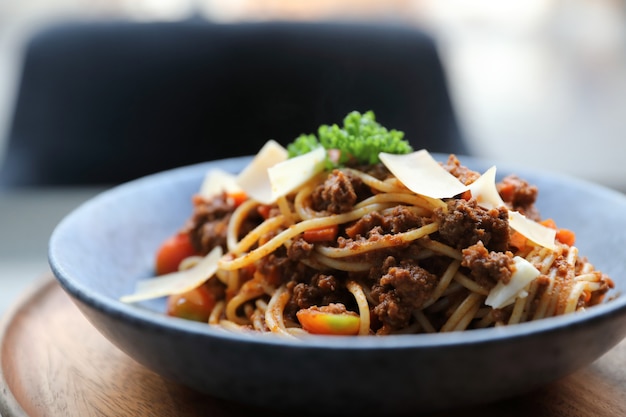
x=54, y=363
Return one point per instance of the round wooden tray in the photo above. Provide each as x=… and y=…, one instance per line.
x=54, y=363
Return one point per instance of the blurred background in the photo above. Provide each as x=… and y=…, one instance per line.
x=524, y=74
x=538, y=82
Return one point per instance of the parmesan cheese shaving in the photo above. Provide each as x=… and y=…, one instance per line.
x=254, y=179
x=217, y=181
x=505, y=294
x=176, y=282
x=288, y=175
x=485, y=192
x=422, y=174
x=538, y=233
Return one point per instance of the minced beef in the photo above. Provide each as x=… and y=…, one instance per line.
x=466, y=223
x=211, y=234
x=403, y=287
x=487, y=268
x=299, y=249
x=208, y=225
x=400, y=219
x=461, y=172
x=363, y=226
x=337, y=194
x=274, y=267
x=519, y=195
x=321, y=290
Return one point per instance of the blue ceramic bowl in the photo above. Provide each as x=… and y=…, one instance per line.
x=102, y=248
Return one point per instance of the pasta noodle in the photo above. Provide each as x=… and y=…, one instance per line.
x=355, y=252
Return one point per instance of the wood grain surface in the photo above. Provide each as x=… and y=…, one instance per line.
x=54, y=363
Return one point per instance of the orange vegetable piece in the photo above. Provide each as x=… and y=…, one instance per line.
x=466, y=195
x=506, y=190
x=518, y=240
x=322, y=234
x=316, y=321
x=566, y=237
x=237, y=197
x=172, y=251
x=549, y=223
x=195, y=304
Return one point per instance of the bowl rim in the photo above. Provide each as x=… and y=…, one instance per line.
x=136, y=315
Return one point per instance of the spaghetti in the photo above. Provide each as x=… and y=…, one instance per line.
x=354, y=251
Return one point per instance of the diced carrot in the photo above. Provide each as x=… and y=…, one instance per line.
x=566, y=236
x=518, y=240
x=466, y=195
x=322, y=234
x=506, y=190
x=237, y=197
x=319, y=322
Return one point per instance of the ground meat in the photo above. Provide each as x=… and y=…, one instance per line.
x=466, y=223
x=519, y=195
x=336, y=195
x=314, y=293
x=211, y=234
x=321, y=290
x=333, y=308
x=209, y=222
x=275, y=267
x=403, y=288
x=487, y=268
x=216, y=287
x=400, y=219
x=606, y=284
x=464, y=174
x=363, y=226
x=500, y=316
x=299, y=249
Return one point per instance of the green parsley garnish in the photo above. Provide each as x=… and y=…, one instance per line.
x=360, y=140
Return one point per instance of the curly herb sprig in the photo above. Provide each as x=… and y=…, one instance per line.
x=360, y=140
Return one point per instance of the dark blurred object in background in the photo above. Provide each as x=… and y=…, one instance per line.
x=104, y=103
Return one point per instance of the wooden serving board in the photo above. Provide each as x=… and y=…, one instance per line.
x=54, y=363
